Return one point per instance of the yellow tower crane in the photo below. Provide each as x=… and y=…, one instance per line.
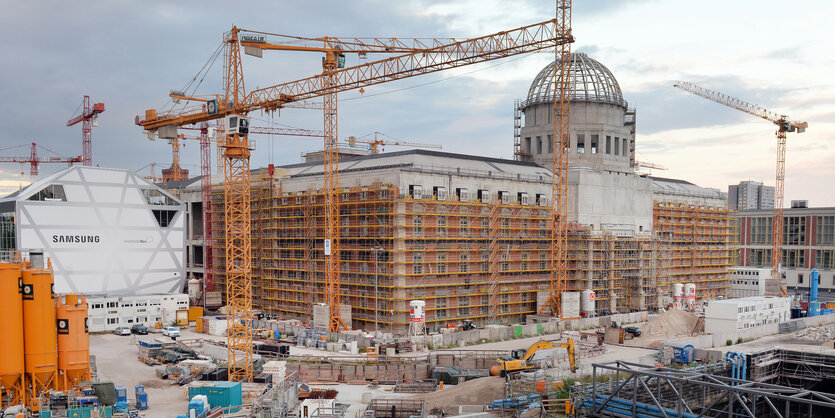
x=413, y=57
x=784, y=125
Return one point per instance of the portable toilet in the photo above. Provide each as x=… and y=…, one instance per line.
x=141, y=398
x=121, y=394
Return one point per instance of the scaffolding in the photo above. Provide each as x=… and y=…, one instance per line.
x=798, y=368
x=477, y=261
x=623, y=389
x=698, y=243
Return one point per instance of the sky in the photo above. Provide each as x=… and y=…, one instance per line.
x=129, y=55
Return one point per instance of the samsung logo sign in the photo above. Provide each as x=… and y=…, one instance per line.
x=76, y=238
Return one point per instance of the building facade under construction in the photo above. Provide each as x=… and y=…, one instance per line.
x=469, y=235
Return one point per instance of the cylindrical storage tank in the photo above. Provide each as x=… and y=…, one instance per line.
x=678, y=292
x=11, y=331
x=40, y=343
x=689, y=293
x=417, y=311
x=587, y=302
x=73, y=341
x=194, y=289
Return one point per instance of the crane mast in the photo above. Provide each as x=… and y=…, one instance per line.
x=89, y=117
x=416, y=60
x=559, y=165
x=784, y=125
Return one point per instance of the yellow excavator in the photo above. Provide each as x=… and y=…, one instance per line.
x=520, y=359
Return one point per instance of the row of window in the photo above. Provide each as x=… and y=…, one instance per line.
x=611, y=145
x=462, y=194
x=794, y=230
x=138, y=320
x=792, y=258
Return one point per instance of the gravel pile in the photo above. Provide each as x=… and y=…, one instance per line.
x=822, y=334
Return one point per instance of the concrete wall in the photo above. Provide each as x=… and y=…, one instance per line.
x=586, y=119
x=721, y=339
x=610, y=200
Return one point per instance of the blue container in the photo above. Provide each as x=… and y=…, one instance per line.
x=196, y=406
x=121, y=406
x=122, y=394
x=139, y=389
x=223, y=394
x=142, y=401
x=276, y=335
x=814, y=308
x=150, y=344
x=44, y=414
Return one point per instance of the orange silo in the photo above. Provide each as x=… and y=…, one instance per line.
x=73, y=341
x=11, y=330
x=40, y=343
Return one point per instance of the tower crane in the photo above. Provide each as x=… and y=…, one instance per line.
x=784, y=125
x=88, y=117
x=412, y=58
x=374, y=145
x=559, y=165
x=35, y=161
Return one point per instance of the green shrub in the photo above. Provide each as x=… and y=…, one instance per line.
x=729, y=342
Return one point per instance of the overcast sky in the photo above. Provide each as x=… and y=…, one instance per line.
x=130, y=54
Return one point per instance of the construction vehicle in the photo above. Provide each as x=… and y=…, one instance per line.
x=521, y=359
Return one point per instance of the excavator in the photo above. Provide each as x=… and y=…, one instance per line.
x=520, y=359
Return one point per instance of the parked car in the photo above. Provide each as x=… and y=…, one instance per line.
x=122, y=331
x=139, y=329
x=635, y=331
x=171, y=331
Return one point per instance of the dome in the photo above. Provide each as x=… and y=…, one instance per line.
x=590, y=82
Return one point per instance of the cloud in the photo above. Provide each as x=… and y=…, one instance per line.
x=129, y=55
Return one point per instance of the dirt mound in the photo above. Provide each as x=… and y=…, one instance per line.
x=670, y=323
x=156, y=384
x=480, y=391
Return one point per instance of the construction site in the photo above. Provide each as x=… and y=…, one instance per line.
x=563, y=279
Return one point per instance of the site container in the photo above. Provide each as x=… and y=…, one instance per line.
x=223, y=394
x=182, y=317
x=195, y=313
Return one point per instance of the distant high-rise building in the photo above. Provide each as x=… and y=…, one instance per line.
x=750, y=195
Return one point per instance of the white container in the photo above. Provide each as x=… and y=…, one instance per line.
x=689, y=293
x=587, y=301
x=570, y=305
x=417, y=311
x=678, y=292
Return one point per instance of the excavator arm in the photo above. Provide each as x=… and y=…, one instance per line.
x=547, y=345
x=510, y=365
